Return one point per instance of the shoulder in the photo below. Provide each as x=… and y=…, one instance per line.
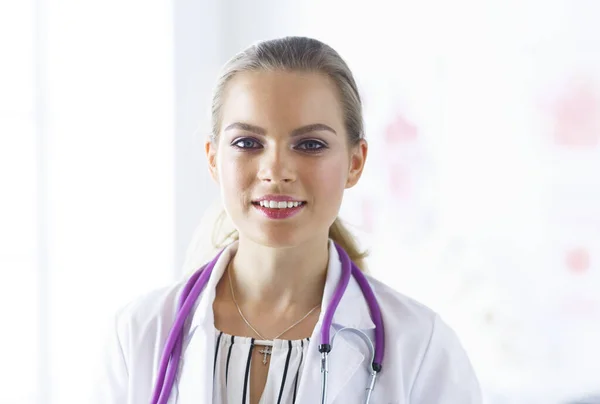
x=400, y=308
x=147, y=315
x=133, y=345
x=435, y=364
x=407, y=316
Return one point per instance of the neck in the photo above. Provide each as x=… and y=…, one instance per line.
x=280, y=278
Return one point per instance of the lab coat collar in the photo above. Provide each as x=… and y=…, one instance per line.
x=346, y=358
x=353, y=310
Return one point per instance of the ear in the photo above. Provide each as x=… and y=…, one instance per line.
x=211, y=155
x=358, y=157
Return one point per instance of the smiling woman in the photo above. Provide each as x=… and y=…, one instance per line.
x=254, y=324
x=274, y=144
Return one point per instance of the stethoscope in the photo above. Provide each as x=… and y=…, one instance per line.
x=172, y=351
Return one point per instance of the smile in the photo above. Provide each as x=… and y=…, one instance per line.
x=278, y=209
x=279, y=204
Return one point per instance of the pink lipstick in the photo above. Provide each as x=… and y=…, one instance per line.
x=278, y=206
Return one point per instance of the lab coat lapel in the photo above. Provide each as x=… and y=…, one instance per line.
x=347, y=356
x=195, y=378
x=196, y=370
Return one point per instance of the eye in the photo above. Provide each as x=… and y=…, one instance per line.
x=311, y=145
x=246, y=143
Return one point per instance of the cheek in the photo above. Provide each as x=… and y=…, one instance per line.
x=235, y=174
x=329, y=175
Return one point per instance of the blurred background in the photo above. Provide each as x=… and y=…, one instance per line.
x=481, y=196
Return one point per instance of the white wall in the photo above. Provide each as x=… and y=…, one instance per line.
x=105, y=187
x=19, y=300
x=198, y=56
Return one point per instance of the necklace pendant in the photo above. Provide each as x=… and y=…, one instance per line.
x=265, y=351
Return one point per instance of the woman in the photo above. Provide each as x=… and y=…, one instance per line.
x=287, y=141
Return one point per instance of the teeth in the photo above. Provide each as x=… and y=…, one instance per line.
x=279, y=205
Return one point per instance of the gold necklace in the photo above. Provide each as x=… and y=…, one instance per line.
x=250, y=325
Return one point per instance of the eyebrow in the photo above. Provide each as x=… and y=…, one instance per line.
x=296, y=132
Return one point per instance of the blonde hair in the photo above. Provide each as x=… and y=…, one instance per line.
x=304, y=55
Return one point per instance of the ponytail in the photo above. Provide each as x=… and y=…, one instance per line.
x=345, y=239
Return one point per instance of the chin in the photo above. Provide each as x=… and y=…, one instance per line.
x=282, y=237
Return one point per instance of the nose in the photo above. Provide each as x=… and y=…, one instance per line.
x=276, y=166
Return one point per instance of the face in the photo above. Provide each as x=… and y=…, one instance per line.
x=282, y=158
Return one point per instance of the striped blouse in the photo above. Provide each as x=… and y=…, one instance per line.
x=232, y=370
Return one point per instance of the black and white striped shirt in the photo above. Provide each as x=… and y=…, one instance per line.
x=232, y=370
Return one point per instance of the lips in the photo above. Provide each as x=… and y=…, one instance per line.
x=278, y=206
x=277, y=197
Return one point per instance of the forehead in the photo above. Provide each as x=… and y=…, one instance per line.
x=282, y=98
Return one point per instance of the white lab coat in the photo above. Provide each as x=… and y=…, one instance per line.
x=424, y=362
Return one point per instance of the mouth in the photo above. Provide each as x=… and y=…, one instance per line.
x=270, y=204
x=279, y=209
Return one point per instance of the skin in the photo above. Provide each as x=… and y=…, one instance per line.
x=266, y=145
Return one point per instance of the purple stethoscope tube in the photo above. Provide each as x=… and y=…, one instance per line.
x=172, y=351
